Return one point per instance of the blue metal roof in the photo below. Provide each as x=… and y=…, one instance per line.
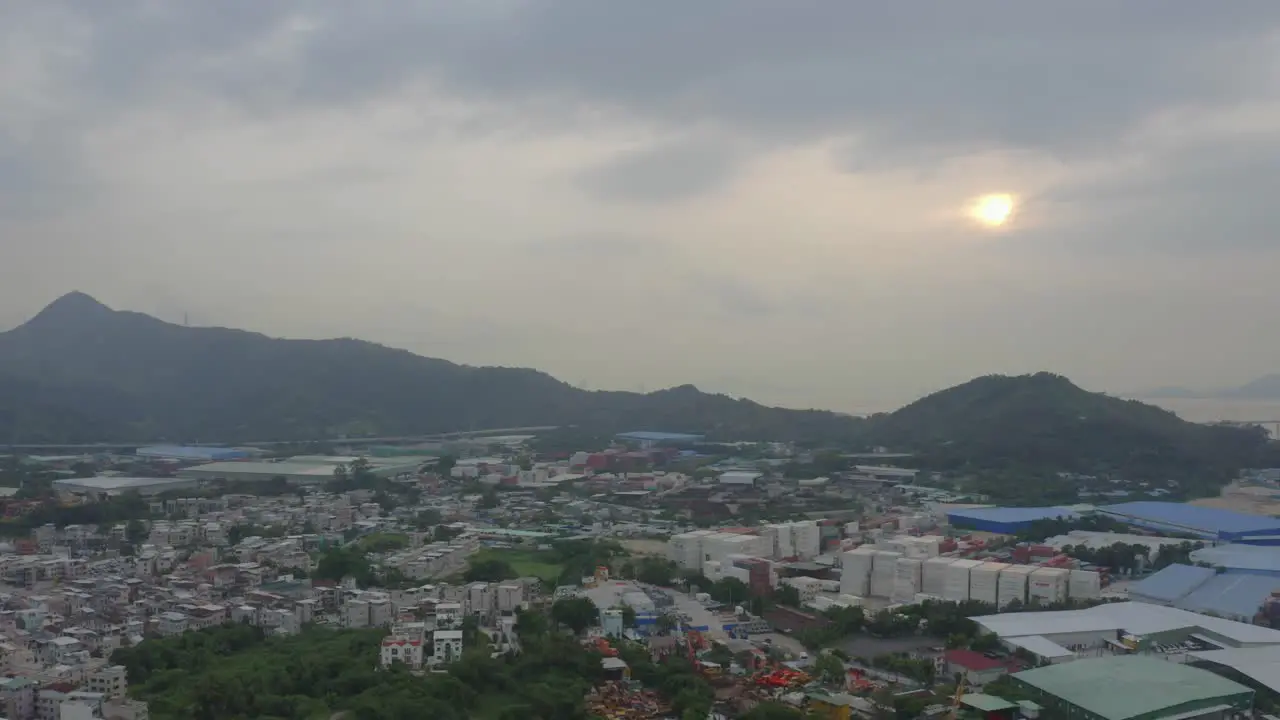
x=1245, y=558
x=1204, y=520
x=654, y=436
x=1172, y=583
x=1012, y=514
x=1233, y=596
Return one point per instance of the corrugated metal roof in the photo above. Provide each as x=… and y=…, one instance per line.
x=1137, y=618
x=1231, y=595
x=1261, y=664
x=1172, y=583
x=1012, y=514
x=1205, y=519
x=1240, y=557
x=1118, y=688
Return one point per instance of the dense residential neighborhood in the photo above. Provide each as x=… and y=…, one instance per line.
x=873, y=585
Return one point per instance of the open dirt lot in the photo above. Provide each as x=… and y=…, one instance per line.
x=1244, y=498
x=645, y=547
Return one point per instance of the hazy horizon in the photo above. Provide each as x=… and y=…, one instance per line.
x=817, y=205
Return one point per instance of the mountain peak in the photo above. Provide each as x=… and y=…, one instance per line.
x=73, y=307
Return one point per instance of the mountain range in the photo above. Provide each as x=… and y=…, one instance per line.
x=80, y=372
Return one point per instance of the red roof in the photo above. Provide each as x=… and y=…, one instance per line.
x=970, y=660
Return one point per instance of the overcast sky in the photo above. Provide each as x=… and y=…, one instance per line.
x=760, y=197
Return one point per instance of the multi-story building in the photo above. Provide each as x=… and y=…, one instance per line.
x=18, y=697
x=111, y=681
x=446, y=646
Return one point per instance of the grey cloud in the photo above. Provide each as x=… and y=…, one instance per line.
x=1062, y=76
x=673, y=171
x=1215, y=197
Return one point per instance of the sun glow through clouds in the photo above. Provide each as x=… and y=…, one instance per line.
x=993, y=210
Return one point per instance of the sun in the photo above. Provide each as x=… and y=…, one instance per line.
x=993, y=210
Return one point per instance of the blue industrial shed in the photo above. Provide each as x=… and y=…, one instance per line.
x=1203, y=522
x=194, y=454
x=1005, y=521
x=1246, y=559
x=1204, y=590
x=1171, y=584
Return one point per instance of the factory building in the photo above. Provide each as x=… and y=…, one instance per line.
x=1203, y=522
x=1236, y=596
x=294, y=472
x=1121, y=627
x=191, y=454
x=100, y=488
x=1005, y=521
x=1134, y=688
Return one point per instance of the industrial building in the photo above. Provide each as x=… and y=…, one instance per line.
x=1134, y=688
x=1005, y=521
x=1260, y=665
x=1250, y=559
x=1236, y=596
x=649, y=438
x=294, y=472
x=191, y=454
x=111, y=486
x=1122, y=627
x=1203, y=522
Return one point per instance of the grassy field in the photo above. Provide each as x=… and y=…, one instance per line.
x=525, y=562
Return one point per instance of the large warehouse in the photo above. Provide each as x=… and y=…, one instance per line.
x=294, y=472
x=1134, y=688
x=1004, y=520
x=1204, y=522
x=1231, y=595
x=1124, y=626
x=111, y=486
x=191, y=454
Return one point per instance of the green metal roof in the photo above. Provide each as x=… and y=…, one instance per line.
x=1122, y=687
x=986, y=703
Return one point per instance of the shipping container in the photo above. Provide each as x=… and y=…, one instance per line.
x=984, y=582
x=1084, y=585
x=1013, y=585
x=933, y=575
x=1048, y=585
x=855, y=571
x=956, y=587
x=906, y=579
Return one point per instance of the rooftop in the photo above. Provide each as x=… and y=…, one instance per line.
x=117, y=482
x=1240, y=557
x=971, y=660
x=1260, y=664
x=1137, y=618
x=1012, y=514
x=1172, y=583
x=655, y=436
x=1124, y=687
x=1233, y=595
x=1205, y=520
x=986, y=703
x=190, y=453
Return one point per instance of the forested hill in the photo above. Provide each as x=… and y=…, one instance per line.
x=82, y=372
x=1044, y=420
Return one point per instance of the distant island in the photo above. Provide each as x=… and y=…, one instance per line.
x=1266, y=387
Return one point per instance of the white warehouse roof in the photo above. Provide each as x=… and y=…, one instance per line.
x=1136, y=618
x=739, y=477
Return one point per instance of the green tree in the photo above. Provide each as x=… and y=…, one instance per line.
x=576, y=613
